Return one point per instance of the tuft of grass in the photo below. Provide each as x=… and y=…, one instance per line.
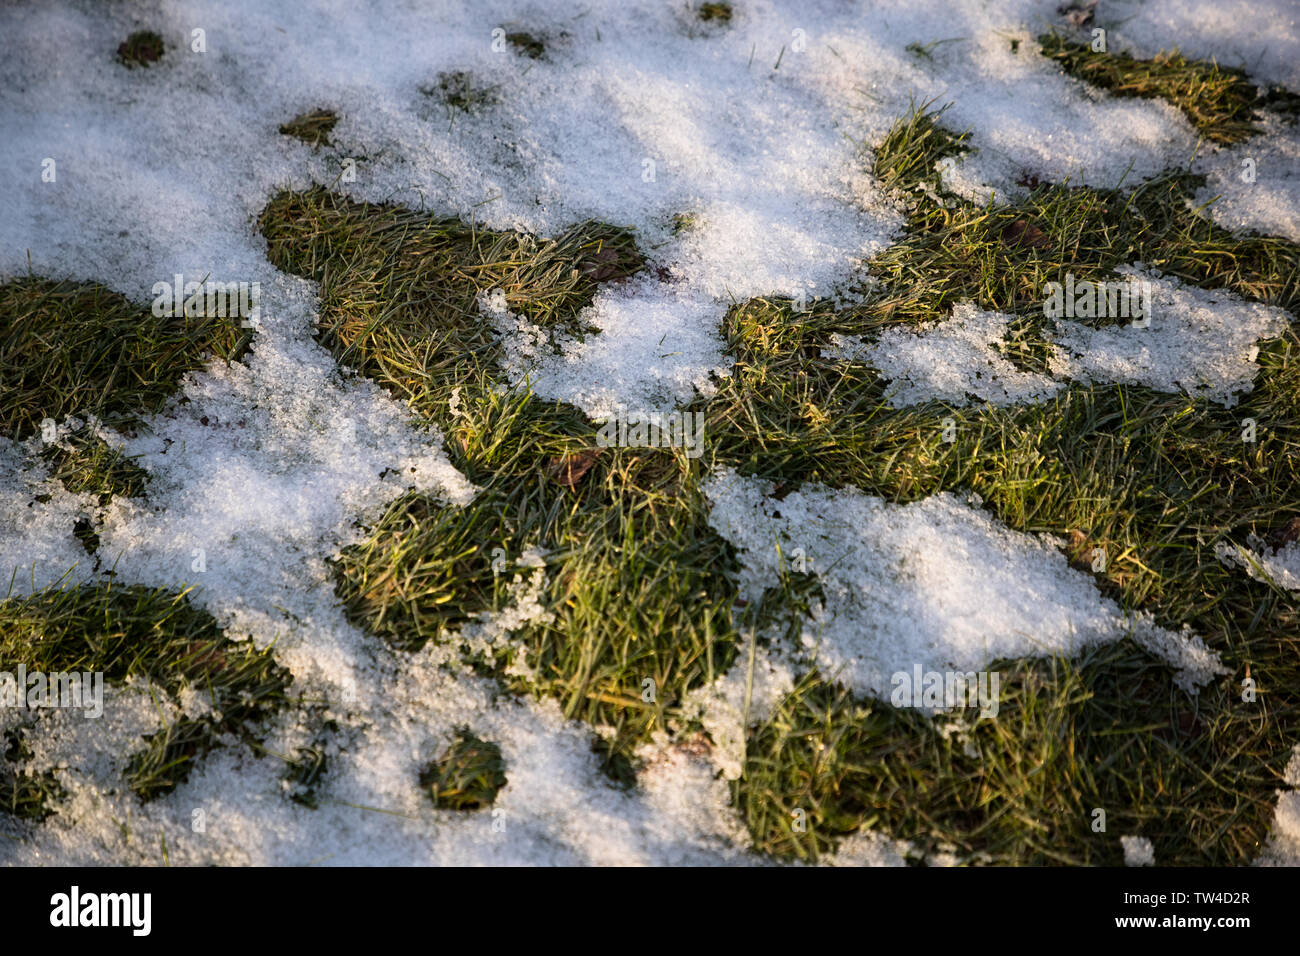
x=85, y=463
x=526, y=44
x=304, y=773
x=467, y=776
x=125, y=632
x=905, y=160
x=25, y=795
x=460, y=91
x=714, y=12
x=313, y=127
x=80, y=349
x=140, y=49
x=1219, y=101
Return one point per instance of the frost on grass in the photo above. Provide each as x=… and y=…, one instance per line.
x=1200, y=342
x=936, y=582
x=951, y=361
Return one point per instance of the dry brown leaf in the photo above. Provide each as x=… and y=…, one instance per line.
x=1024, y=233
x=568, y=470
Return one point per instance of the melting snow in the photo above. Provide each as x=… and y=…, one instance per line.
x=936, y=583
x=637, y=113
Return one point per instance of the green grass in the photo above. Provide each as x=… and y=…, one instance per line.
x=1220, y=102
x=80, y=349
x=313, y=127
x=467, y=776
x=140, y=49
x=25, y=795
x=86, y=464
x=640, y=586
x=632, y=561
x=128, y=632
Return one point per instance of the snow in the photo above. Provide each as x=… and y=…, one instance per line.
x=1138, y=851
x=1255, y=185
x=760, y=131
x=1283, y=847
x=1281, y=566
x=936, y=583
x=1202, y=342
x=949, y=361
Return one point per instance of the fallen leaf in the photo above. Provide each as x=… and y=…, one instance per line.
x=568, y=470
x=602, y=265
x=1024, y=233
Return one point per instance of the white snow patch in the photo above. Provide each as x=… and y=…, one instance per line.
x=1282, y=567
x=950, y=361
x=1138, y=851
x=937, y=582
x=1268, y=204
x=1283, y=847
x=1198, y=341
x=748, y=693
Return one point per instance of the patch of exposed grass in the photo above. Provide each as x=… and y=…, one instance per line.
x=467, y=776
x=125, y=632
x=401, y=288
x=313, y=127
x=23, y=794
x=140, y=49
x=632, y=566
x=80, y=349
x=1219, y=101
x=1105, y=731
x=85, y=463
x=460, y=91
x=714, y=12
x=527, y=45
